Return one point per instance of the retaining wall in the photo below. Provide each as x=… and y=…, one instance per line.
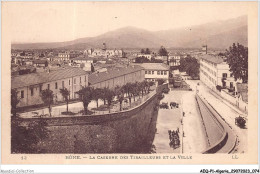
x=130, y=131
x=224, y=142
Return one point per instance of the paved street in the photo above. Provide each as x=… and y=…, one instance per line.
x=194, y=140
x=226, y=111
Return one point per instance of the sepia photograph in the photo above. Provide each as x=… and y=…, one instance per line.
x=139, y=79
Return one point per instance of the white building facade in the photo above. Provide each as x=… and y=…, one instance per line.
x=155, y=71
x=214, y=71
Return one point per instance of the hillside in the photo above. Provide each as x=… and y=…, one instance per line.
x=219, y=34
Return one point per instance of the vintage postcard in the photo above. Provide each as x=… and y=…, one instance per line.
x=129, y=83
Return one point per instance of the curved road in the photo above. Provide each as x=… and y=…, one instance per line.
x=216, y=127
x=227, y=112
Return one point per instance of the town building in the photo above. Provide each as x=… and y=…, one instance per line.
x=214, y=71
x=67, y=55
x=148, y=56
x=117, y=77
x=29, y=86
x=174, y=61
x=40, y=63
x=155, y=71
x=104, y=52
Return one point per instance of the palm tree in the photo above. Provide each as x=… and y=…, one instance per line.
x=47, y=98
x=85, y=95
x=65, y=94
x=14, y=101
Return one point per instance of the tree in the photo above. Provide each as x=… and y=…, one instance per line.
x=85, y=95
x=141, y=60
x=103, y=94
x=119, y=92
x=134, y=90
x=128, y=88
x=163, y=51
x=110, y=95
x=65, y=94
x=147, y=51
x=160, y=81
x=14, y=101
x=237, y=59
x=151, y=83
x=142, y=87
x=142, y=51
x=97, y=94
x=47, y=98
x=190, y=65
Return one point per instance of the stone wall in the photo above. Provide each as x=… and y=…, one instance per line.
x=129, y=131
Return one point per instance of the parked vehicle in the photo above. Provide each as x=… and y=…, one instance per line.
x=173, y=104
x=164, y=106
x=240, y=121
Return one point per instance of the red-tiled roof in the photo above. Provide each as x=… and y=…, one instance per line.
x=43, y=77
x=112, y=73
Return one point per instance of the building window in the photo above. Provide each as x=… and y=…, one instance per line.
x=158, y=72
x=79, y=79
x=69, y=82
x=48, y=86
x=74, y=80
x=22, y=94
x=224, y=75
x=56, y=85
x=152, y=72
x=31, y=91
x=149, y=72
x=161, y=72
x=165, y=72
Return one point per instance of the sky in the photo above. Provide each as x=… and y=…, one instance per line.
x=64, y=21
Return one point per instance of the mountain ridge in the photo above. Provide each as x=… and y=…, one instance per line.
x=213, y=34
